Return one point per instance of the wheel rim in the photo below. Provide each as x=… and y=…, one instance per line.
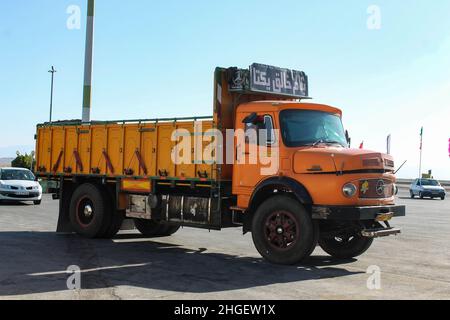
x=85, y=211
x=281, y=230
x=343, y=241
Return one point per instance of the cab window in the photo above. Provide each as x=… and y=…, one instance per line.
x=258, y=123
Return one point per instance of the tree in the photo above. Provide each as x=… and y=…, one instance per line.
x=22, y=160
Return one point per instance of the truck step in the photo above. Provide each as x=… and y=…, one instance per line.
x=378, y=233
x=237, y=209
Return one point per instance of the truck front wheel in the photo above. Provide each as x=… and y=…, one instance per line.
x=282, y=231
x=345, y=247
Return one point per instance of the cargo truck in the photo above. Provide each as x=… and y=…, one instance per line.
x=316, y=191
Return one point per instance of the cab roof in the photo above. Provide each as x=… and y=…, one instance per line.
x=273, y=105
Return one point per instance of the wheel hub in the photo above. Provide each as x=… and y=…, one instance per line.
x=281, y=230
x=88, y=211
x=85, y=211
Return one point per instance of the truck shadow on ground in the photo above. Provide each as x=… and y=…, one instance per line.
x=6, y=203
x=37, y=262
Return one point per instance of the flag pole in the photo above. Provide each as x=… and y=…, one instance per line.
x=421, y=149
x=388, y=144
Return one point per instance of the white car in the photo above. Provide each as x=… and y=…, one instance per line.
x=18, y=184
x=427, y=188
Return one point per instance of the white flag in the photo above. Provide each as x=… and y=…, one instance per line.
x=388, y=144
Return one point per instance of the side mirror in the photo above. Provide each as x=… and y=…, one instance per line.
x=347, y=137
x=251, y=118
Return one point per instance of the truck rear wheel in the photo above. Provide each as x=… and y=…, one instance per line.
x=345, y=247
x=88, y=211
x=282, y=231
x=115, y=220
x=151, y=228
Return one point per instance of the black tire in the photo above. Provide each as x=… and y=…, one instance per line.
x=442, y=198
x=283, y=231
x=345, y=248
x=151, y=228
x=37, y=202
x=316, y=237
x=412, y=195
x=420, y=195
x=116, y=218
x=88, y=197
x=171, y=230
x=115, y=225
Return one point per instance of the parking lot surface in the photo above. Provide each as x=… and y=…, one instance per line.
x=198, y=264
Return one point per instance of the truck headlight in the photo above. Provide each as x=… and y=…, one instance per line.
x=394, y=189
x=349, y=190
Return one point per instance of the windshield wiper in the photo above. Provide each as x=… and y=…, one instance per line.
x=315, y=144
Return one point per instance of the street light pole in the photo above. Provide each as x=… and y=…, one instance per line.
x=52, y=71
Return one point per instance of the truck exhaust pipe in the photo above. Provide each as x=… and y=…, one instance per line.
x=87, y=89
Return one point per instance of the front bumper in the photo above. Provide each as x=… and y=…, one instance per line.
x=356, y=213
x=436, y=194
x=16, y=196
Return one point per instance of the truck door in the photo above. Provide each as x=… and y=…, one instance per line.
x=248, y=171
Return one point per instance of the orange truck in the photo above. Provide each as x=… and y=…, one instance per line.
x=266, y=160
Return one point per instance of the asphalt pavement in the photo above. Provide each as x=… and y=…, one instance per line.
x=198, y=264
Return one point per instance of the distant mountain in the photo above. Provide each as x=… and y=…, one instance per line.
x=5, y=162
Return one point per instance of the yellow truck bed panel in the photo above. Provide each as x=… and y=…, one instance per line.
x=138, y=150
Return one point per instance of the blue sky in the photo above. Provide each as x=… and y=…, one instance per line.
x=156, y=59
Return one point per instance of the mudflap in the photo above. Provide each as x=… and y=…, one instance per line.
x=65, y=194
x=128, y=225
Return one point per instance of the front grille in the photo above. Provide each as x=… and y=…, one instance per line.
x=17, y=196
x=376, y=189
x=389, y=163
x=374, y=162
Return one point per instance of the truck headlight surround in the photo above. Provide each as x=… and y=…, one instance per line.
x=349, y=190
x=395, y=189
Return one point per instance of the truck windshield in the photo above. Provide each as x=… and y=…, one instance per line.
x=311, y=127
x=16, y=175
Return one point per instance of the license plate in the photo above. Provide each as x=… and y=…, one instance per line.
x=384, y=217
x=22, y=193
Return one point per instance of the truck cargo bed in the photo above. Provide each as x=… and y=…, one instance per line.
x=138, y=148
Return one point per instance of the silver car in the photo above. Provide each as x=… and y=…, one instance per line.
x=18, y=185
x=429, y=188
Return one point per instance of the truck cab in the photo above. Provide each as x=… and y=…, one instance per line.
x=306, y=186
x=314, y=151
